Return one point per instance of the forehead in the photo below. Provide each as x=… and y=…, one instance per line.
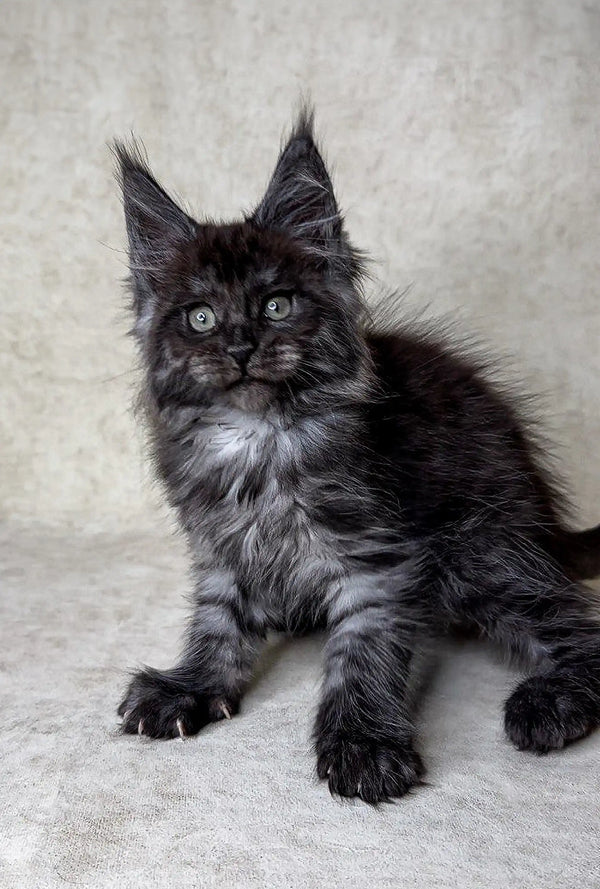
x=238, y=262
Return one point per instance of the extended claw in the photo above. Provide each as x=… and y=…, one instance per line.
x=125, y=717
x=141, y=727
x=181, y=730
x=225, y=711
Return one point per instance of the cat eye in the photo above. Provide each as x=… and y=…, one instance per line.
x=277, y=307
x=202, y=318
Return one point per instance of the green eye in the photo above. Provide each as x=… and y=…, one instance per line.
x=202, y=318
x=277, y=307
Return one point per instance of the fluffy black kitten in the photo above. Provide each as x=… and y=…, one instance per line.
x=330, y=473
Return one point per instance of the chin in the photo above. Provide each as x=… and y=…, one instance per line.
x=251, y=395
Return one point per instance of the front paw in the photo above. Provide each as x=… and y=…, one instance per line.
x=160, y=706
x=374, y=770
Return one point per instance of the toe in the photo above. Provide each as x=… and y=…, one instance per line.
x=373, y=771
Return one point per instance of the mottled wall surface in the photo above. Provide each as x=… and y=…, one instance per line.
x=465, y=142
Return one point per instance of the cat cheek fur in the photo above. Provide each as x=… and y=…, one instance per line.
x=354, y=475
x=275, y=362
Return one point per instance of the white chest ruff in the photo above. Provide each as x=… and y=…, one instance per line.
x=280, y=550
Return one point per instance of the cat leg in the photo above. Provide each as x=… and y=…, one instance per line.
x=206, y=684
x=525, y=602
x=560, y=705
x=363, y=734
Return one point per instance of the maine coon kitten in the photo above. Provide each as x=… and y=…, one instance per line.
x=329, y=473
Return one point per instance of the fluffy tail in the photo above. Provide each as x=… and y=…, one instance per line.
x=579, y=552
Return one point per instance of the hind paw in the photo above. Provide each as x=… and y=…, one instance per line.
x=544, y=714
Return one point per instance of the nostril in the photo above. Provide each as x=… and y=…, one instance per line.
x=241, y=352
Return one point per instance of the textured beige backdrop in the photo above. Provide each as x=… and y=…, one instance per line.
x=465, y=140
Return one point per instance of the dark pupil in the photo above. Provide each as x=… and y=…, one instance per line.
x=273, y=306
x=201, y=317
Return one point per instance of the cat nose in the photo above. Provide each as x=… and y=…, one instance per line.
x=241, y=353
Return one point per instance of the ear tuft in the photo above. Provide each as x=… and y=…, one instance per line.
x=303, y=130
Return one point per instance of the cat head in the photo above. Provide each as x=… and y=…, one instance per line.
x=246, y=313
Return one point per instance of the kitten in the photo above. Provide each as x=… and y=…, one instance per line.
x=330, y=473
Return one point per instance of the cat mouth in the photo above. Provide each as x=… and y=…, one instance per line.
x=242, y=381
x=246, y=380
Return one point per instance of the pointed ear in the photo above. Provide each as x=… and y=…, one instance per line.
x=300, y=200
x=156, y=225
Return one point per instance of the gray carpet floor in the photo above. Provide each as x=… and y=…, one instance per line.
x=239, y=805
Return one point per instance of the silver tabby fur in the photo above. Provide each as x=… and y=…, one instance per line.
x=328, y=473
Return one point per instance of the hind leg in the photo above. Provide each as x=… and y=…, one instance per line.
x=562, y=703
x=516, y=595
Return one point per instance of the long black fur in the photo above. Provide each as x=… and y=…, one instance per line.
x=329, y=471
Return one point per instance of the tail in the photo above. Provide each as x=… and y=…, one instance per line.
x=579, y=552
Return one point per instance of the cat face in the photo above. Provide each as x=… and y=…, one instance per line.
x=249, y=313
x=243, y=317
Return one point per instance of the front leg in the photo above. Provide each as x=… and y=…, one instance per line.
x=207, y=683
x=363, y=733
